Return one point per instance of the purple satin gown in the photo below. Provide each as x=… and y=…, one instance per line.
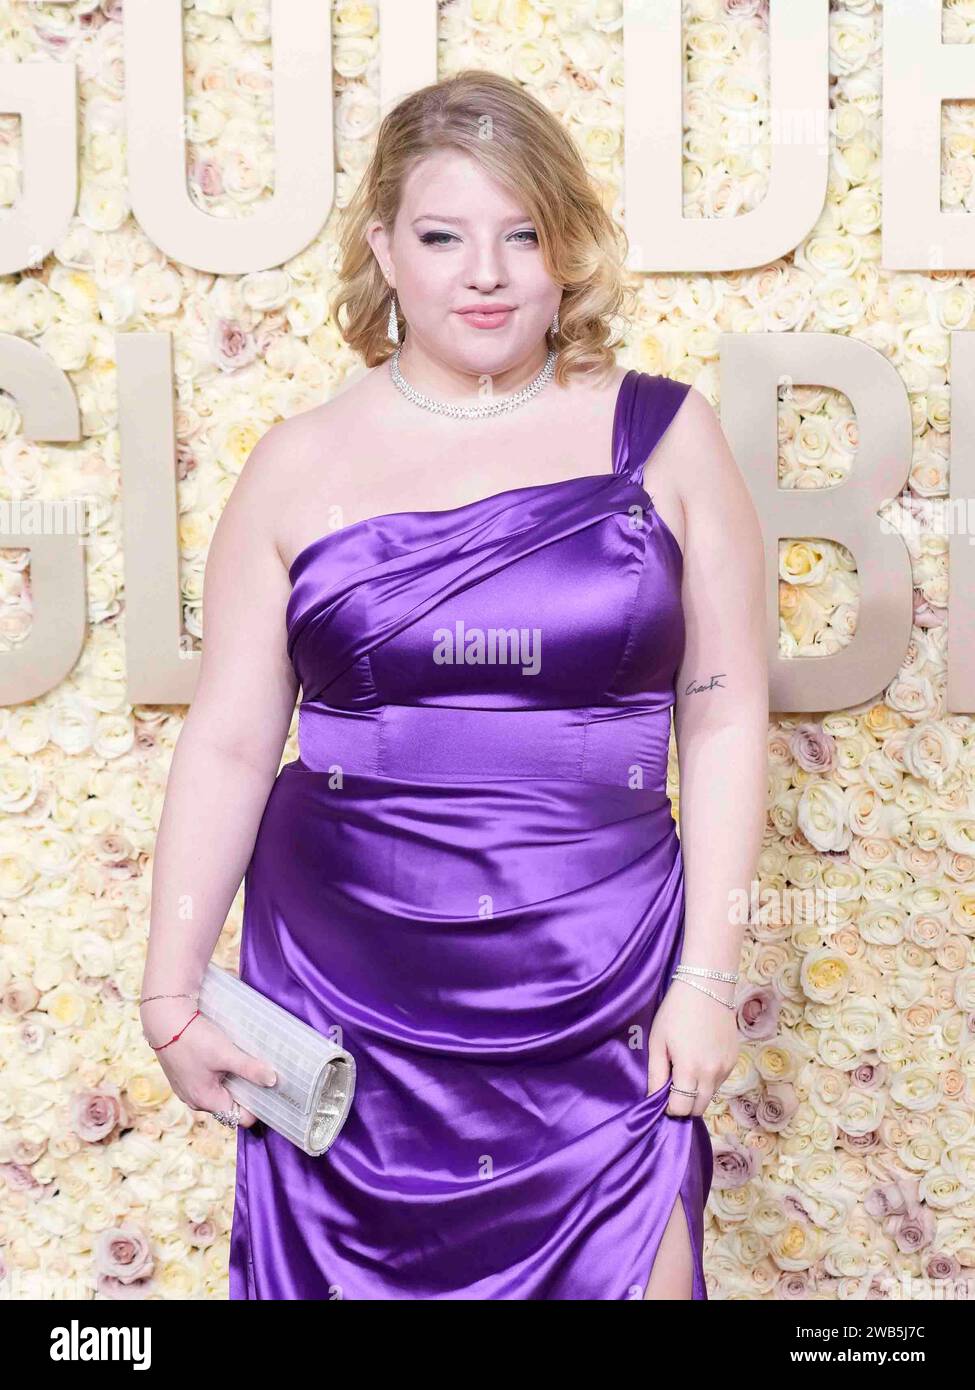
x=472, y=871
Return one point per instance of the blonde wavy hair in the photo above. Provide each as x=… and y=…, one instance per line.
x=522, y=145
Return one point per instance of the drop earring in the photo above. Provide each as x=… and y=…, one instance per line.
x=392, y=329
x=555, y=323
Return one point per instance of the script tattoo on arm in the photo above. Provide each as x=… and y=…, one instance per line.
x=694, y=689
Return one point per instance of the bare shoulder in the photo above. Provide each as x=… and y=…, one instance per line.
x=696, y=456
x=293, y=465
x=706, y=477
x=290, y=445
x=696, y=435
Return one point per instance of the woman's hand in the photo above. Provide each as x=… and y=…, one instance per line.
x=694, y=1043
x=195, y=1064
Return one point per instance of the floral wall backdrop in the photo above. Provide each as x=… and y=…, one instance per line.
x=844, y=1139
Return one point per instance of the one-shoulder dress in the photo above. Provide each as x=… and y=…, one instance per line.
x=471, y=876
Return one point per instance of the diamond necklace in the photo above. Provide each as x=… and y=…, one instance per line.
x=498, y=405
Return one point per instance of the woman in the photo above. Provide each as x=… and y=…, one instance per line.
x=471, y=875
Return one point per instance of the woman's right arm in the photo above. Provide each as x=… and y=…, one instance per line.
x=223, y=767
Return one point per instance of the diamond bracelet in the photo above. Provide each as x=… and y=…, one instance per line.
x=728, y=1003
x=729, y=975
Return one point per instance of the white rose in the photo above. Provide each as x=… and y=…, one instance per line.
x=158, y=290
x=860, y=210
x=942, y=1189
x=352, y=57
x=864, y=810
x=838, y=302
x=264, y=290
x=93, y=954
x=17, y=876
x=71, y=725
x=33, y=308
x=113, y=736
x=860, y=1112
x=916, y=1088
x=307, y=310
x=77, y=289
x=884, y=779
x=102, y=205
x=357, y=115
x=853, y=40
x=914, y=696
x=931, y=752
x=19, y=785
x=821, y=816
x=860, y=1021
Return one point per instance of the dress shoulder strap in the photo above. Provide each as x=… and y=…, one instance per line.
x=647, y=405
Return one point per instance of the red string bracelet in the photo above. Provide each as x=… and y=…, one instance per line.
x=175, y=1035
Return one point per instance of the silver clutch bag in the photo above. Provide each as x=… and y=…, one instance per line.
x=311, y=1098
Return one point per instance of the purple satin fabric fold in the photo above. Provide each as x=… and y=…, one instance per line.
x=471, y=875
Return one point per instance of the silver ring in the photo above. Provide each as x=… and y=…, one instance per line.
x=680, y=1092
x=230, y=1120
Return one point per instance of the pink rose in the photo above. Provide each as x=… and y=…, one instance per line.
x=813, y=750
x=187, y=463
x=914, y=1230
x=201, y=1233
x=207, y=177
x=758, y=1012
x=20, y=1179
x=95, y=1114
x=123, y=1254
x=794, y=1285
x=144, y=740
x=890, y=1199
x=869, y=1076
x=110, y=1287
x=113, y=850
x=32, y=1034
x=777, y=1106
x=111, y=992
x=734, y=1165
x=859, y=1143
x=265, y=338
x=232, y=346
x=878, y=1290
x=743, y=1110
x=19, y=998
x=941, y=1266
x=794, y=1210
x=926, y=614
x=746, y=9
x=56, y=44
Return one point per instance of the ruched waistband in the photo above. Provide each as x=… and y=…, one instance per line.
x=624, y=747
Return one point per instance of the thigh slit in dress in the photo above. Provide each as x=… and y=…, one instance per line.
x=471, y=875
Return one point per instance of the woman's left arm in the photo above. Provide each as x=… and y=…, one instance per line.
x=721, y=725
